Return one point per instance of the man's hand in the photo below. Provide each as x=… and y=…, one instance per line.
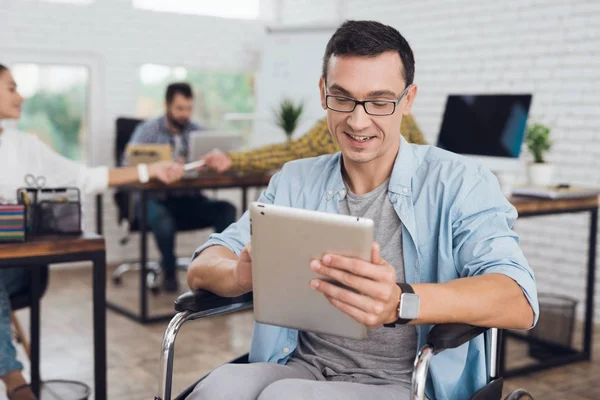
x=243, y=269
x=217, y=160
x=166, y=171
x=376, y=302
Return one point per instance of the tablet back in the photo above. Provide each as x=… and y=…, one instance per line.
x=284, y=241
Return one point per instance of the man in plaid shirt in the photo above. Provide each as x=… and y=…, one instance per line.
x=168, y=213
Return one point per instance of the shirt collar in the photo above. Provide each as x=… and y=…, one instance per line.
x=403, y=169
x=399, y=180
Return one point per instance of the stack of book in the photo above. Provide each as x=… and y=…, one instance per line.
x=12, y=223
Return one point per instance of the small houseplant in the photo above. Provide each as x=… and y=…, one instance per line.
x=287, y=116
x=537, y=138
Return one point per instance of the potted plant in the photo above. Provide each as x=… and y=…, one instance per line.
x=287, y=116
x=537, y=138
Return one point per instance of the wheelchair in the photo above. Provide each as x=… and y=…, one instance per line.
x=202, y=304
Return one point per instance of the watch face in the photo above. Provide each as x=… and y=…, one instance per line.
x=409, y=306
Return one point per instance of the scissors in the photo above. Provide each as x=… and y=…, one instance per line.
x=35, y=182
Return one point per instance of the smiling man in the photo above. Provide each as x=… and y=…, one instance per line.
x=443, y=236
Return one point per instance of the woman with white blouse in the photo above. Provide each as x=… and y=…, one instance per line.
x=24, y=154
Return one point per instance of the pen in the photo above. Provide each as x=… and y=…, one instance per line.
x=193, y=165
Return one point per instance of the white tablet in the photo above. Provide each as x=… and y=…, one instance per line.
x=284, y=241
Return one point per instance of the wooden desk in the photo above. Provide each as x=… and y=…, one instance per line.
x=531, y=207
x=45, y=250
x=207, y=181
x=203, y=181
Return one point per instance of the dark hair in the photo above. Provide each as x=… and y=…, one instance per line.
x=3, y=68
x=370, y=39
x=179, y=87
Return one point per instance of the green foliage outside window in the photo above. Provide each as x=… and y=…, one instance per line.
x=216, y=93
x=58, y=119
x=55, y=107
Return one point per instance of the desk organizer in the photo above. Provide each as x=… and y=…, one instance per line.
x=51, y=210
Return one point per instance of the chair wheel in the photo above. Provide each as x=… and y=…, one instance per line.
x=117, y=280
x=155, y=290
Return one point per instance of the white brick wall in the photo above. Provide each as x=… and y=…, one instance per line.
x=548, y=48
x=117, y=40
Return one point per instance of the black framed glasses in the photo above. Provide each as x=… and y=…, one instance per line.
x=372, y=107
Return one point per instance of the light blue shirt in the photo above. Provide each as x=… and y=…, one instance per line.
x=456, y=223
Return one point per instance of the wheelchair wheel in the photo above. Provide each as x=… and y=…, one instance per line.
x=519, y=394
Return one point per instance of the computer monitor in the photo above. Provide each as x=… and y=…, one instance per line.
x=489, y=128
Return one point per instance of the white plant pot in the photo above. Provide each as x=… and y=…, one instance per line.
x=540, y=174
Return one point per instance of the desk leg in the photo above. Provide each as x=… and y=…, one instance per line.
x=99, y=221
x=35, y=294
x=99, y=298
x=591, y=280
x=244, y=199
x=143, y=256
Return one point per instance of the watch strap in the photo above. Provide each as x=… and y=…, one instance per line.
x=405, y=288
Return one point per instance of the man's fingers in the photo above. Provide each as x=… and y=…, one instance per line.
x=356, y=300
x=376, y=254
x=246, y=252
x=369, y=287
x=215, y=161
x=370, y=320
x=358, y=267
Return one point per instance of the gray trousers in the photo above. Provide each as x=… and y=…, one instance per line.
x=293, y=381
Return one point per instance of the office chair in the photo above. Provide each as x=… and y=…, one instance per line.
x=127, y=215
x=201, y=304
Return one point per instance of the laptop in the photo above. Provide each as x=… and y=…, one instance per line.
x=203, y=142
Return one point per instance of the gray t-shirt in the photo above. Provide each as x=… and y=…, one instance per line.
x=388, y=354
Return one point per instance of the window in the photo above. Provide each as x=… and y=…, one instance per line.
x=240, y=9
x=55, y=107
x=223, y=99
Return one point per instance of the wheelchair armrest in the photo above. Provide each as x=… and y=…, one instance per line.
x=450, y=336
x=201, y=300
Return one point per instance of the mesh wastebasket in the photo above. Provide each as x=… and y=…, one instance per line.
x=62, y=390
x=554, y=329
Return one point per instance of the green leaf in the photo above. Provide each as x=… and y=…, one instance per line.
x=287, y=116
x=537, y=139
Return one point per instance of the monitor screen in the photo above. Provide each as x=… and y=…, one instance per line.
x=485, y=125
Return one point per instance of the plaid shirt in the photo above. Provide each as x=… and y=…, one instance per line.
x=155, y=131
x=318, y=141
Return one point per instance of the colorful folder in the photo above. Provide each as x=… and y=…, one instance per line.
x=12, y=223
